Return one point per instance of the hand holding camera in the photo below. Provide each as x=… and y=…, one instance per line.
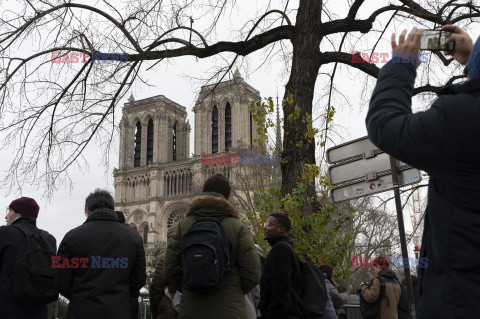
x=463, y=44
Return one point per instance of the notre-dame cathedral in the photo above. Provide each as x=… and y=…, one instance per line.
x=157, y=177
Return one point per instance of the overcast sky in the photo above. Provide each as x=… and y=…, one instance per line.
x=177, y=79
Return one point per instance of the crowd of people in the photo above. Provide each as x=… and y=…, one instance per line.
x=212, y=268
x=100, y=266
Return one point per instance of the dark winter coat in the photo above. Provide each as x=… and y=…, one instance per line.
x=443, y=141
x=160, y=303
x=280, y=276
x=389, y=303
x=10, y=240
x=403, y=308
x=227, y=302
x=102, y=292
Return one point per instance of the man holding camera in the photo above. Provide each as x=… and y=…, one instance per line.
x=443, y=141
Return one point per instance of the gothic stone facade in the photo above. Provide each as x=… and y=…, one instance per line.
x=157, y=178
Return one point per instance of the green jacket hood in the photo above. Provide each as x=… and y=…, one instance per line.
x=212, y=204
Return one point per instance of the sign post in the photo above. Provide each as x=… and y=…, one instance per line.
x=403, y=241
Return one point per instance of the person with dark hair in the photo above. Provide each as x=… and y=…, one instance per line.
x=281, y=282
x=242, y=272
x=103, y=263
x=336, y=300
x=22, y=212
x=217, y=184
x=389, y=295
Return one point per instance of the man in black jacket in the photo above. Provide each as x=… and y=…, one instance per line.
x=102, y=263
x=22, y=211
x=443, y=141
x=281, y=282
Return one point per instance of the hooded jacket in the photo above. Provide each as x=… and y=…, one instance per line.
x=443, y=141
x=11, y=239
x=389, y=303
x=229, y=301
x=115, y=269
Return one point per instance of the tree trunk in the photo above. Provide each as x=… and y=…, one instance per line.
x=297, y=151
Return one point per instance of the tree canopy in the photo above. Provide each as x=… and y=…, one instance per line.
x=52, y=112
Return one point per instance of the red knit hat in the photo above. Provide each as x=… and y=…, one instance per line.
x=25, y=206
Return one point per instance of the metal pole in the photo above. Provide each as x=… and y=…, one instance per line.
x=141, y=308
x=401, y=230
x=56, y=309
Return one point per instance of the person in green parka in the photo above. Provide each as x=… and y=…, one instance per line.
x=227, y=302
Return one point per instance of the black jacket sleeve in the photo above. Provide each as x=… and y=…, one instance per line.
x=281, y=282
x=412, y=138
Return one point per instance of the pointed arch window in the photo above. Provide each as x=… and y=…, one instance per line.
x=145, y=235
x=138, y=146
x=228, y=127
x=174, y=144
x=150, y=141
x=214, y=129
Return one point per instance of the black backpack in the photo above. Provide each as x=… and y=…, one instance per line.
x=372, y=310
x=314, y=297
x=32, y=281
x=205, y=256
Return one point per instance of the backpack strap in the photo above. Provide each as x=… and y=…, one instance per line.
x=23, y=229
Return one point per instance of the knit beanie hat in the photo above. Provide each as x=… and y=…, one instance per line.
x=473, y=65
x=327, y=269
x=25, y=206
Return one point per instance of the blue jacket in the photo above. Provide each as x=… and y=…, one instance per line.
x=444, y=142
x=11, y=239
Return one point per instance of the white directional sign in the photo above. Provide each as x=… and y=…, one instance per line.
x=356, y=149
x=365, y=188
x=362, y=169
x=374, y=167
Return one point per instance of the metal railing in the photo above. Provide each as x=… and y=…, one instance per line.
x=352, y=311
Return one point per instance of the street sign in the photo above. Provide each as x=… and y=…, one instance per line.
x=353, y=150
x=366, y=188
x=361, y=169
